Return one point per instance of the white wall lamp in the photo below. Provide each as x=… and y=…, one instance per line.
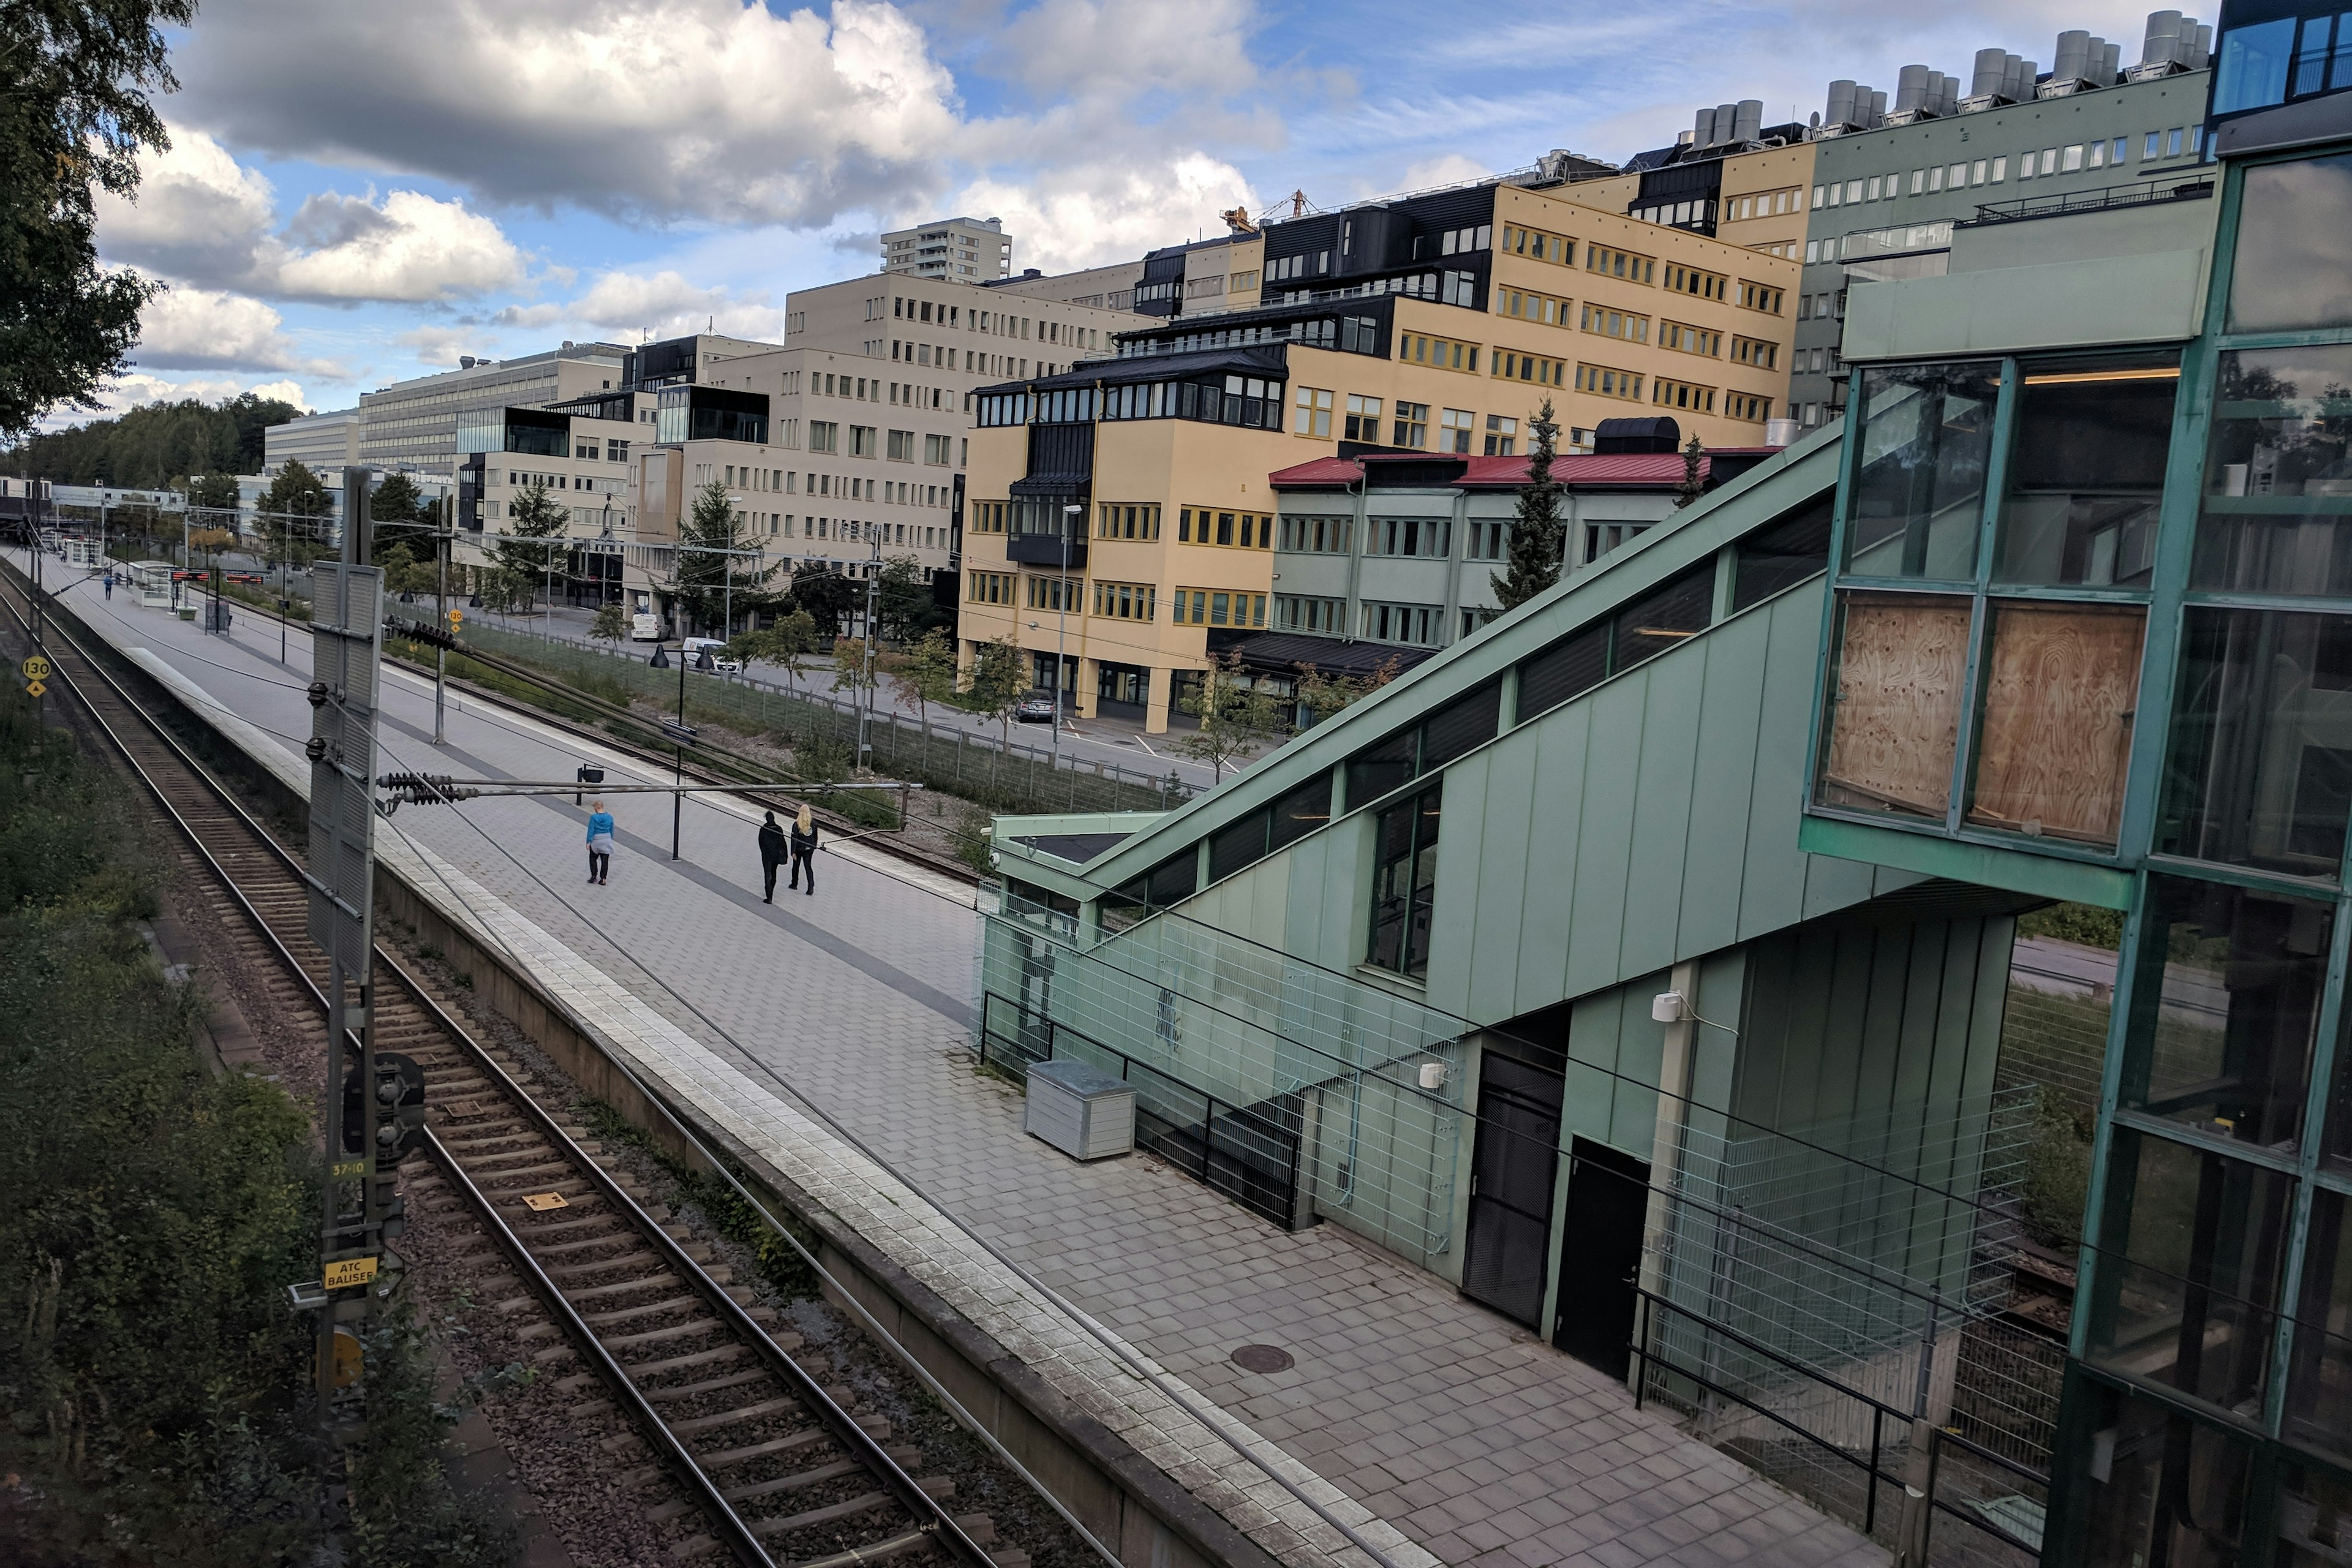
x=1673, y=1007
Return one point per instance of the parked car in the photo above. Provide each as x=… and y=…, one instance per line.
x=1037, y=708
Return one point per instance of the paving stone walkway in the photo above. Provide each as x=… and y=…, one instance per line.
x=1467, y=1434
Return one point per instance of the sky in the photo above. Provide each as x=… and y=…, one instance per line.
x=359, y=193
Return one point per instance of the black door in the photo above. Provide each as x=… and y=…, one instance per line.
x=1600, y=1249
x=1511, y=1171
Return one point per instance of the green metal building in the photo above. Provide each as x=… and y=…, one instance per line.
x=1642, y=964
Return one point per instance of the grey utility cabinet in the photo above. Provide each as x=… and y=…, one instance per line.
x=1082, y=1110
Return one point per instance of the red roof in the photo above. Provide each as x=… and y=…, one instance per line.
x=1647, y=471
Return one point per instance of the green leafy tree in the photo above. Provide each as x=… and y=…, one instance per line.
x=826, y=596
x=212, y=492
x=155, y=446
x=902, y=599
x=706, y=575
x=787, y=645
x=402, y=572
x=849, y=671
x=395, y=503
x=1237, y=716
x=530, y=564
x=293, y=512
x=1692, y=485
x=996, y=684
x=1539, y=536
x=924, y=673
x=611, y=624
x=1323, y=695
x=76, y=117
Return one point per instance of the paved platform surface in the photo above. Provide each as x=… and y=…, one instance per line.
x=1472, y=1438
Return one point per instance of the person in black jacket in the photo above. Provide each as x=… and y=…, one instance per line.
x=804, y=850
x=773, y=850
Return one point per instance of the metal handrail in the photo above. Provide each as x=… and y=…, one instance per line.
x=2142, y=193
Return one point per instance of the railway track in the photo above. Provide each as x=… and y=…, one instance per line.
x=763, y=1458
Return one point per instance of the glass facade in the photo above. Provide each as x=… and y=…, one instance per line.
x=2276, y=514
x=1918, y=486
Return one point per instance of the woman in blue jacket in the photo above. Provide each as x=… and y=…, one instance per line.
x=600, y=841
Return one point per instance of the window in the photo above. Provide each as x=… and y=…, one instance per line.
x=1682, y=394
x=1056, y=593
x=902, y=445
x=1452, y=242
x=1686, y=339
x=2172, y=1490
x=825, y=435
x=1609, y=323
x=991, y=588
x=1761, y=297
x=1502, y=437
x=2086, y=475
x=1612, y=263
x=1313, y=413
x=1319, y=535
x=1609, y=382
x=2289, y=277
x=1412, y=424
x=2278, y=467
x=937, y=450
x=1421, y=626
x=988, y=516
x=1928, y=432
x=1511, y=366
x=1526, y=305
x=1422, y=536
x=1540, y=244
x=1241, y=530
x=1755, y=351
x=1441, y=354
x=1119, y=520
x=1779, y=557
x=1125, y=601
x=1218, y=607
x=1461, y=725
x=1749, y=406
x=1405, y=885
x=1453, y=428
x=2261, y=773
x=1299, y=613
x=2071, y=159
x=1691, y=280
x=1489, y=539
x=1363, y=419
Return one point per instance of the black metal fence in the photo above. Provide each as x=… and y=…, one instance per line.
x=1250, y=1153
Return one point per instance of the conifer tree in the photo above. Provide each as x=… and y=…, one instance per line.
x=1539, y=538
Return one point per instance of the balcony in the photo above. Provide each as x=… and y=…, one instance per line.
x=1046, y=550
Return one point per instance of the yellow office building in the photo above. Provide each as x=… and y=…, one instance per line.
x=1119, y=514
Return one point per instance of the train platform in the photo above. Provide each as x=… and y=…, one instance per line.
x=1437, y=1431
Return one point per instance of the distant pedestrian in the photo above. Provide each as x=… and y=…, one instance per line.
x=804, y=850
x=600, y=842
x=773, y=849
x=109, y=585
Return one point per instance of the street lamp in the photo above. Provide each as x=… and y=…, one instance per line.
x=1070, y=515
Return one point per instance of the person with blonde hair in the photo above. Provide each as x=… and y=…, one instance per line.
x=600, y=843
x=804, y=848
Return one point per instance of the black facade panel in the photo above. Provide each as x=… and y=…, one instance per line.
x=1061, y=459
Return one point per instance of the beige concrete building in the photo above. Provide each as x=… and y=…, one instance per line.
x=414, y=424
x=954, y=250
x=321, y=442
x=581, y=454
x=1431, y=325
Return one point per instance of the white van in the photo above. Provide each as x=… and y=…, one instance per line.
x=645, y=627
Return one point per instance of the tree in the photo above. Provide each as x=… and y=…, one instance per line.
x=902, y=600
x=529, y=564
x=1692, y=486
x=787, y=645
x=925, y=673
x=826, y=596
x=1539, y=537
x=212, y=492
x=612, y=623
x=706, y=575
x=396, y=503
x=156, y=446
x=402, y=572
x=1237, y=715
x=849, y=671
x=290, y=512
x=997, y=681
x=1323, y=695
x=75, y=118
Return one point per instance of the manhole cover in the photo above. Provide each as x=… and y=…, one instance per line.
x=1264, y=1358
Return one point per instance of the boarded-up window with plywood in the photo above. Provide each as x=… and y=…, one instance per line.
x=1895, y=714
x=2061, y=683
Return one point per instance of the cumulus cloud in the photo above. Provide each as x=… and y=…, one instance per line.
x=1110, y=211
x=137, y=390
x=442, y=346
x=204, y=329
x=642, y=109
x=203, y=217
x=622, y=305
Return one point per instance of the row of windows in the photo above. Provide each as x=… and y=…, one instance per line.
x=1690, y=340
x=1757, y=351
x=1441, y=354
x=1682, y=394
x=1691, y=280
x=1250, y=401
x=1556, y=248
x=1767, y=204
x=1307, y=613
x=1210, y=525
x=1543, y=310
x=989, y=588
x=1125, y=601
x=1613, y=263
x=1534, y=368
x=1219, y=608
x=1609, y=323
x=1115, y=520
x=1606, y=382
x=1062, y=594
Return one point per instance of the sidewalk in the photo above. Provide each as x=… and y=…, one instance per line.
x=1468, y=1435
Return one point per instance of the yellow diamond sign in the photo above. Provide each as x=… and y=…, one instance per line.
x=35, y=689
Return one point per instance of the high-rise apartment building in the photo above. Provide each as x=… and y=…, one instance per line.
x=955, y=249
x=1121, y=513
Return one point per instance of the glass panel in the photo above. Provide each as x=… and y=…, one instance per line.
x=1388, y=765
x=2188, y=1277
x=1895, y=708
x=1175, y=878
x=2315, y=1518
x=1464, y=723
x=1784, y=554
x=2278, y=482
x=1561, y=672
x=1233, y=848
x=2319, y=1378
x=2164, y=1488
x=1302, y=811
x=2225, y=1046
x=2086, y=477
x=1405, y=885
x=1650, y=626
x=2252, y=73
x=2261, y=771
x=1927, y=434
x=2290, y=269
x=2060, y=683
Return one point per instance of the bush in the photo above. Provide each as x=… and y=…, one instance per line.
x=2057, y=1184
x=2084, y=924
